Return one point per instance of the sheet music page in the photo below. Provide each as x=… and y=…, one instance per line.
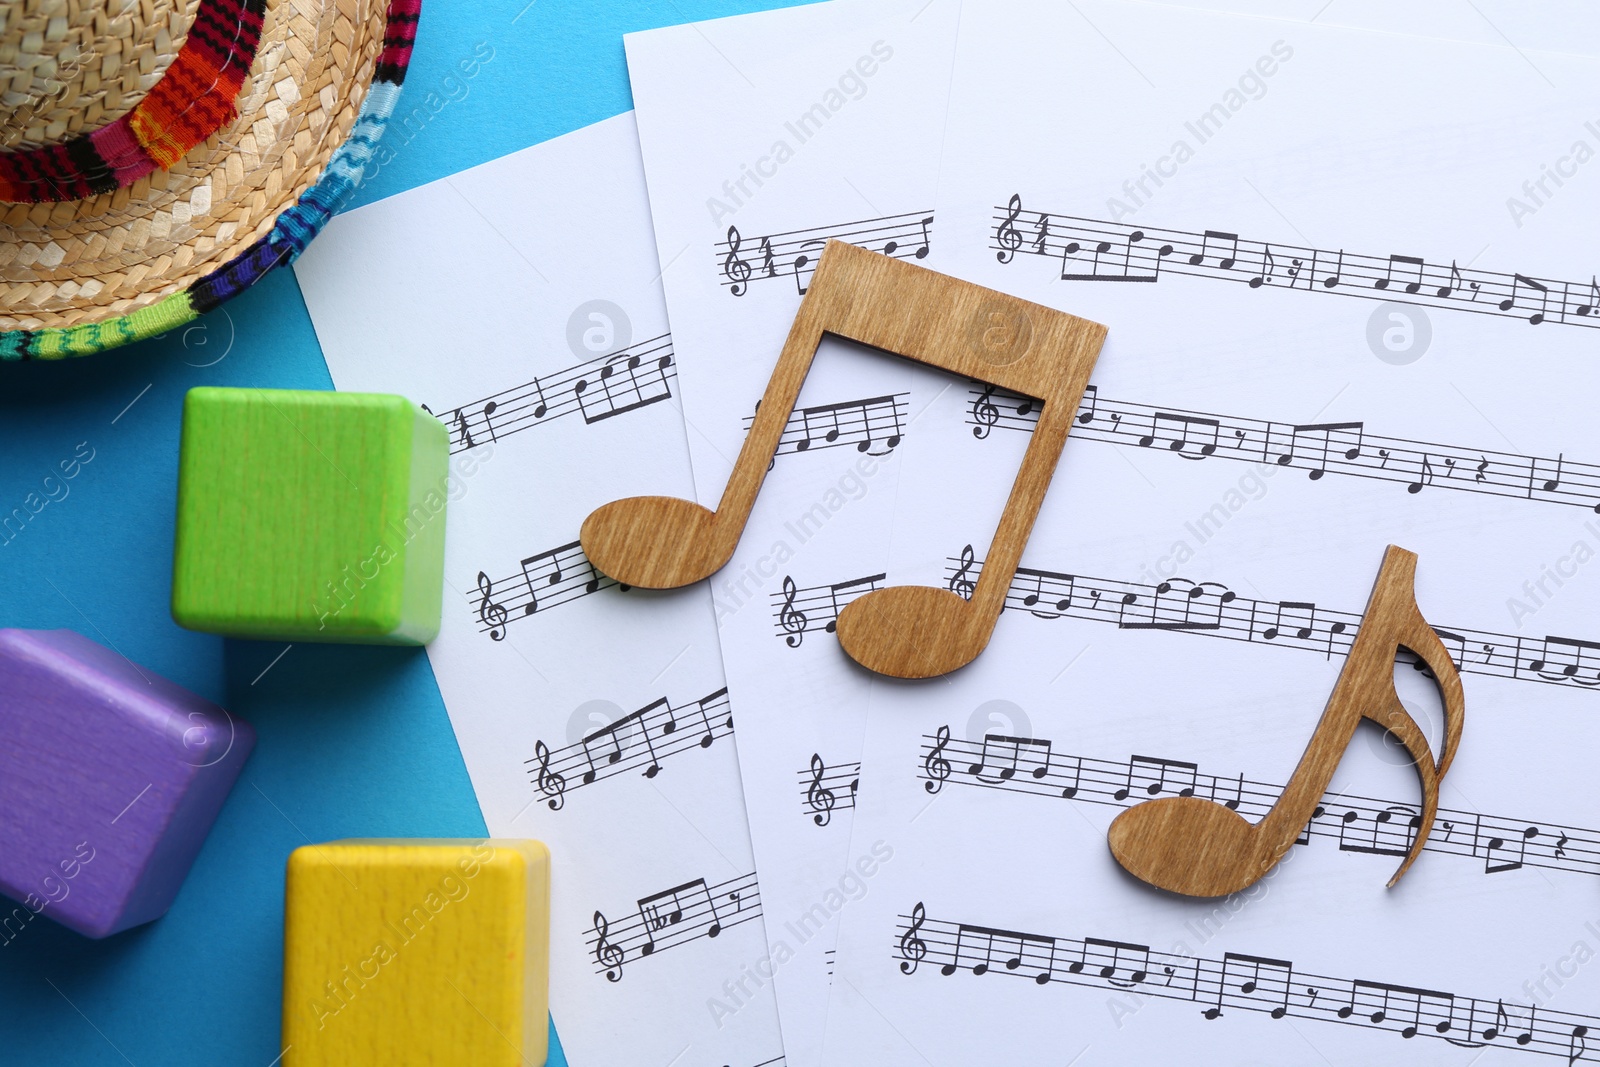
x=1350, y=304
x=763, y=136
x=591, y=718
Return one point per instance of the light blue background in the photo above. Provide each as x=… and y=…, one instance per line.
x=353, y=741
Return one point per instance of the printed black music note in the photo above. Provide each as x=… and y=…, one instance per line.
x=1003, y=757
x=1301, y=620
x=791, y=618
x=1036, y=599
x=819, y=798
x=801, y=262
x=934, y=764
x=1105, y=960
x=1519, y=280
x=855, y=587
x=1425, y=476
x=1245, y=976
x=1336, y=438
x=1148, y=775
x=912, y=948
x=1332, y=280
x=1014, y=950
x=734, y=268
x=1173, y=431
x=1594, y=298
x=491, y=614
x=1267, y=264
x=1563, y=659
x=623, y=387
x=551, y=783
x=1007, y=235
x=1499, y=864
x=1408, y=263
x=669, y=907
x=1227, y=261
x=606, y=954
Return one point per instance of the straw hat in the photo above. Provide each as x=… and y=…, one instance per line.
x=159, y=156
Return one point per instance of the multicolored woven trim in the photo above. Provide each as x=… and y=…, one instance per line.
x=190, y=102
x=293, y=230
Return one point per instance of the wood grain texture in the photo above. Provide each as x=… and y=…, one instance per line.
x=417, y=952
x=912, y=631
x=1201, y=848
x=310, y=516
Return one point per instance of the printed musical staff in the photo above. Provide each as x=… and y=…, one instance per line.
x=672, y=917
x=875, y=426
x=1236, y=983
x=825, y=789
x=1319, y=449
x=1181, y=605
x=1095, y=250
x=545, y=581
x=792, y=256
x=635, y=743
x=1362, y=825
x=598, y=389
x=799, y=611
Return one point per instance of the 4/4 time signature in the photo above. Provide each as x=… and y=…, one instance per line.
x=1095, y=250
x=635, y=742
x=1366, y=825
x=1238, y=982
x=1343, y=448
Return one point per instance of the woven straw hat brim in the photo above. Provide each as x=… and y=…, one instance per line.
x=111, y=258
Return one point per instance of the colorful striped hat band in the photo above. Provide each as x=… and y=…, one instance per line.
x=210, y=141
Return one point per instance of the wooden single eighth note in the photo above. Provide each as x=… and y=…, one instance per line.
x=1201, y=848
x=657, y=542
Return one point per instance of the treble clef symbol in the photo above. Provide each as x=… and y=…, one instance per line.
x=552, y=784
x=1007, y=236
x=960, y=584
x=935, y=765
x=491, y=614
x=606, y=954
x=912, y=947
x=984, y=413
x=819, y=798
x=791, y=618
x=735, y=269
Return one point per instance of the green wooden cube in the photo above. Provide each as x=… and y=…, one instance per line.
x=310, y=516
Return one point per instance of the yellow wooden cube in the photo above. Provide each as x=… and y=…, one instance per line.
x=400, y=952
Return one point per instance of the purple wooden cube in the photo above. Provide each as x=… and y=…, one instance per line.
x=110, y=778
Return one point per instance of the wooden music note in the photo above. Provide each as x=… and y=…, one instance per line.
x=665, y=542
x=1200, y=848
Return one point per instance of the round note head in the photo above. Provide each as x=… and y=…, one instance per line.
x=912, y=631
x=653, y=542
x=1187, y=845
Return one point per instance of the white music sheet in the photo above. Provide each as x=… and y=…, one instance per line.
x=591, y=718
x=763, y=136
x=1321, y=254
